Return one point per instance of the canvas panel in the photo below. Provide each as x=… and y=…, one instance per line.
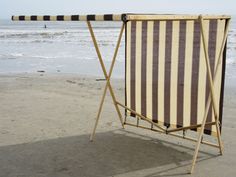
x=166, y=76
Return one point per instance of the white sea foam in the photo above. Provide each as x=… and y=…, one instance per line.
x=66, y=45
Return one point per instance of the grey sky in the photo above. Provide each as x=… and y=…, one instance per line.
x=53, y=7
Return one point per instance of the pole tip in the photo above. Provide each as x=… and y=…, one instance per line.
x=200, y=16
x=91, y=138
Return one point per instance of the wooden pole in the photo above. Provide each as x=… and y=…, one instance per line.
x=143, y=117
x=143, y=17
x=175, y=135
x=215, y=74
x=189, y=127
x=107, y=76
x=212, y=95
x=200, y=135
x=215, y=109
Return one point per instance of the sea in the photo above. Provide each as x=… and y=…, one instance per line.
x=66, y=47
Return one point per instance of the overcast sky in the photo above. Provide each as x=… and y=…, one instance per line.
x=64, y=7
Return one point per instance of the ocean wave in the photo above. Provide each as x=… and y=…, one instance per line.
x=24, y=56
x=41, y=41
x=11, y=56
x=52, y=33
x=66, y=37
x=33, y=34
x=59, y=41
x=51, y=57
x=230, y=61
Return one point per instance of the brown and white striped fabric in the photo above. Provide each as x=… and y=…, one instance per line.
x=166, y=76
x=105, y=17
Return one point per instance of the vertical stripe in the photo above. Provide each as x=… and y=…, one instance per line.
x=138, y=65
x=155, y=70
x=108, y=17
x=21, y=18
x=211, y=53
x=174, y=73
x=33, y=18
x=53, y=18
x=161, y=71
x=90, y=17
x=46, y=18
x=222, y=82
x=99, y=18
x=82, y=18
x=143, y=69
x=40, y=18
x=167, y=72
x=217, y=82
x=149, y=68
x=75, y=17
x=27, y=18
x=67, y=18
x=132, y=65
x=222, y=87
x=60, y=18
x=181, y=64
x=128, y=64
x=202, y=78
x=195, y=72
x=188, y=72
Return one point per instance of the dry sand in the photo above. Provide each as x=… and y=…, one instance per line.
x=46, y=119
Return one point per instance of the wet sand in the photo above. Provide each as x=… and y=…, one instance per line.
x=46, y=120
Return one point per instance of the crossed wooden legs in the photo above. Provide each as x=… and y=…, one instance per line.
x=107, y=76
x=211, y=97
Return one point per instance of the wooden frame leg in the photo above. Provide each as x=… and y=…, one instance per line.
x=107, y=76
x=200, y=136
x=212, y=95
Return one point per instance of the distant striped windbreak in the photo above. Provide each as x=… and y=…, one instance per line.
x=166, y=76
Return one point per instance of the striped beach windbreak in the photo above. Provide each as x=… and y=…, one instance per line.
x=166, y=75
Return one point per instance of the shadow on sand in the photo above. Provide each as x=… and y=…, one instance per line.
x=112, y=153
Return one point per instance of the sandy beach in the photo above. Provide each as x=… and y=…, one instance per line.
x=46, y=120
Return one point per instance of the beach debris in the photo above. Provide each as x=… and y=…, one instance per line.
x=41, y=71
x=109, y=124
x=71, y=82
x=80, y=84
x=100, y=79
